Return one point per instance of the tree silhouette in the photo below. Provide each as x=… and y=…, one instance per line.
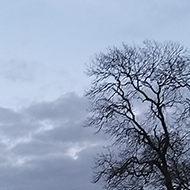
x=140, y=97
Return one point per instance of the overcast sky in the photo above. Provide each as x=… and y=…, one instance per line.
x=45, y=46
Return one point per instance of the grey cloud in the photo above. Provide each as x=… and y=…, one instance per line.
x=49, y=173
x=15, y=124
x=68, y=106
x=8, y=115
x=45, y=146
x=17, y=70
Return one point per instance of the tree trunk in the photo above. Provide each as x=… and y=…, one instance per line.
x=167, y=176
x=169, y=183
x=164, y=170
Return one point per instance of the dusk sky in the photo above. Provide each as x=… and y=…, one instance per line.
x=45, y=47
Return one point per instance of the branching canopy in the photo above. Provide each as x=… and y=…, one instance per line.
x=141, y=97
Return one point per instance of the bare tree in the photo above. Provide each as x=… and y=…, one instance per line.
x=140, y=96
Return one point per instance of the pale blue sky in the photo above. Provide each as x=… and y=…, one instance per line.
x=44, y=48
x=46, y=43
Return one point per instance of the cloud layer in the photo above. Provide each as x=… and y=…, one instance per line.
x=45, y=146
